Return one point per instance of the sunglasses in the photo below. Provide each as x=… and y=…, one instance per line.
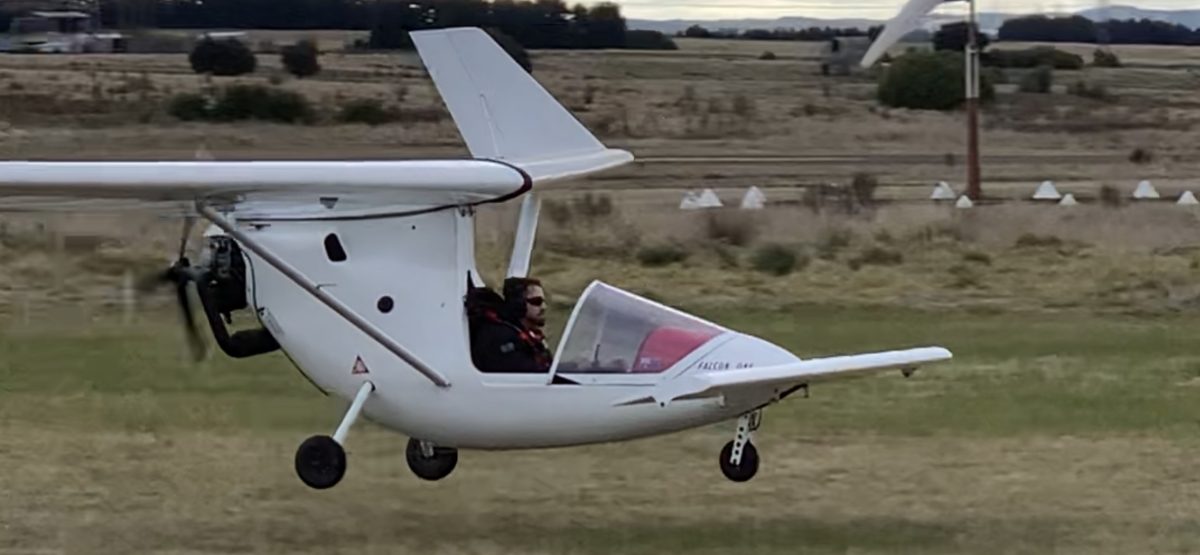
x=536, y=301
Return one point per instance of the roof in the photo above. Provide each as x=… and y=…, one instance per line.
x=61, y=15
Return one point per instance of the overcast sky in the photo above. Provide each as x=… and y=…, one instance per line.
x=872, y=9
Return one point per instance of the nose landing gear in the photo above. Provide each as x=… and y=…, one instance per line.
x=321, y=460
x=739, y=458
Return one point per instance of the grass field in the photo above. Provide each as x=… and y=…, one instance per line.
x=1046, y=434
x=1066, y=423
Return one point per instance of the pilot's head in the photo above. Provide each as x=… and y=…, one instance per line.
x=526, y=300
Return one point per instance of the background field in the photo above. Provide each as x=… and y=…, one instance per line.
x=1066, y=423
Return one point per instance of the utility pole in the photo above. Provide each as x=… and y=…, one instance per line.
x=974, y=189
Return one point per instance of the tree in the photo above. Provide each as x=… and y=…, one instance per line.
x=300, y=59
x=928, y=81
x=697, y=32
x=222, y=57
x=953, y=36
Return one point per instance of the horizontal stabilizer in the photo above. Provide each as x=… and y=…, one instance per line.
x=503, y=113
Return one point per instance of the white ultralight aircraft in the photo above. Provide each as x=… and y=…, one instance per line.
x=358, y=272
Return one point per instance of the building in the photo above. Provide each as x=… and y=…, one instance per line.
x=60, y=32
x=842, y=55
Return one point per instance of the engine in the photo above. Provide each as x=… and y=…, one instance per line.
x=221, y=285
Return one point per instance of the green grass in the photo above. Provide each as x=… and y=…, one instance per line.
x=1047, y=433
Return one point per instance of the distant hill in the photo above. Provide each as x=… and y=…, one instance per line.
x=988, y=21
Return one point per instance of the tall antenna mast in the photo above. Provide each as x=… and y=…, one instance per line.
x=974, y=189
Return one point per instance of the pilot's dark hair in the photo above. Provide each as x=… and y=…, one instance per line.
x=514, y=296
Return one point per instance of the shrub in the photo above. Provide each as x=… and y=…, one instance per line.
x=1037, y=81
x=1110, y=196
x=1105, y=58
x=1031, y=58
x=1094, y=91
x=300, y=59
x=776, y=260
x=370, y=111
x=648, y=40
x=189, y=107
x=832, y=240
x=1141, y=156
x=928, y=81
x=240, y=102
x=1032, y=240
x=977, y=257
x=768, y=55
x=734, y=228
x=661, y=255
x=877, y=255
x=222, y=57
x=863, y=186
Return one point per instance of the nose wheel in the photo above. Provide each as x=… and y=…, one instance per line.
x=428, y=461
x=739, y=458
x=321, y=460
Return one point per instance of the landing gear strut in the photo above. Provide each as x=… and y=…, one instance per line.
x=430, y=462
x=321, y=460
x=739, y=458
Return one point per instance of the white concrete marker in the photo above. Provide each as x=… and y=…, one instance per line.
x=1046, y=191
x=1145, y=190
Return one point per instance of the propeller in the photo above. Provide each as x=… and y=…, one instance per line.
x=179, y=273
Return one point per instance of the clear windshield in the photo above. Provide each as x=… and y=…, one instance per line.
x=617, y=332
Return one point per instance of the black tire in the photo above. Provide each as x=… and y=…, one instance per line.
x=434, y=468
x=743, y=471
x=320, y=462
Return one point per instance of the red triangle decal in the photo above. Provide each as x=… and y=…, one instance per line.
x=359, y=366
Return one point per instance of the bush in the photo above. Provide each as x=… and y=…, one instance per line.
x=300, y=59
x=863, y=186
x=189, y=107
x=648, y=40
x=733, y=228
x=1141, y=156
x=880, y=256
x=242, y=102
x=928, y=81
x=768, y=55
x=1031, y=58
x=776, y=260
x=832, y=240
x=661, y=255
x=1094, y=91
x=222, y=57
x=370, y=111
x=1110, y=196
x=1032, y=240
x=1105, y=58
x=1039, y=80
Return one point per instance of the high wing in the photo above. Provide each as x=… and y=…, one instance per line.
x=805, y=372
x=519, y=137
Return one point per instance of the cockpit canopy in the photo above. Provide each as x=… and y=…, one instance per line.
x=615, y=332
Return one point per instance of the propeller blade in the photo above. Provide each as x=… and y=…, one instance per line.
x=195, y=343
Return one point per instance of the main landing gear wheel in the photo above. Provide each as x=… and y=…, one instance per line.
x=429, y=462
x=745, y=469
x=320, y=462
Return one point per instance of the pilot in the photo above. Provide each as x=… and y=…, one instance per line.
x=508, y=336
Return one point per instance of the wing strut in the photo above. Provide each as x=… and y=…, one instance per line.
x=300, y=279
